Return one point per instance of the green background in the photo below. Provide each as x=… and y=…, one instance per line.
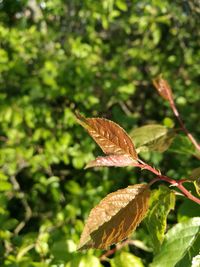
x=98, y=57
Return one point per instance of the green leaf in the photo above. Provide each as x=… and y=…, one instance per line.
x=5, y=186
x=196, y=261
x=62, y=249
x=188, y=210
x=192, y=252
x=179, y=242
x=153, y=137
x=84, y=261
x=161, y=202
x=195, y=174
x=125, y=259
x=182, y=145
x=168, y=122
x=121, y=4
x=197, y=186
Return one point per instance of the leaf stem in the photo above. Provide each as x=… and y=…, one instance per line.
x=176, y=183
x=119, y=246
x=177, y=115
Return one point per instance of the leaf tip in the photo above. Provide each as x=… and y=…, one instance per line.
x=87, y=166
x=78, y=115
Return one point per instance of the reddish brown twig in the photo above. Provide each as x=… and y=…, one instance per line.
x=164, y=89
x=160, y=177
x=177, y=115
x=119, y=246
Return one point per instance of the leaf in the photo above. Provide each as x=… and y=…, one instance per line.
x=182, y=145
x=5, y=186
x=161, y=202
x=113, y=160
x=153, y=137
x=179, y=242
x=125, y=259
x=188, y=209
x=112, y=139
x=163, y=88
x=196, y=261
x=84, y=261
x=190, y=254
x=121, y=4
x=197, y=186
x=62, y=249
x=115, y=217
x=195, y=174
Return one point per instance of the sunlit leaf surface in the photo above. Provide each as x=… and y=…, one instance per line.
x=161, y=202
x=181, y=242
x=115, y=217
x=112, y=139
x=153, y=137
x=113, y=160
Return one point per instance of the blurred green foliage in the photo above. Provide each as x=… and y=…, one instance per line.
x=98, y=57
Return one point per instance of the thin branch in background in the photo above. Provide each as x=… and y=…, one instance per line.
x=125, y=108
x=22, y=197
x=8, y=247
x=28, y=214
x=23, y=251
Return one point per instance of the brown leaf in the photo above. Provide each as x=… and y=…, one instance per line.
x=112, y=160
x=163, y=88
x=112, y=139
x=115, y=217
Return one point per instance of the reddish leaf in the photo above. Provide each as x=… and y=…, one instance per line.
x=112, y=160
x=163, y=88
x=115, y=217
x=112, y=139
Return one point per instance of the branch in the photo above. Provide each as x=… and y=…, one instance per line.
x=119, y=246
x=189, y=135
x=165, y=91
x=176, y=183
